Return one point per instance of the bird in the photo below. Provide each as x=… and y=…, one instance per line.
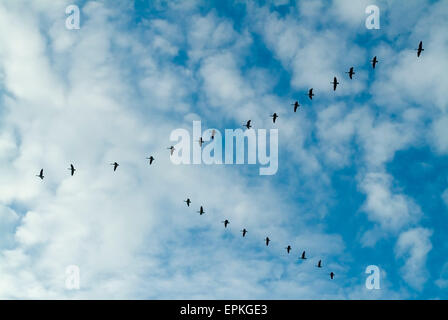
x=274, y=117
x=244, y=231
x=213, y=134
x=288, y=249
x=303, y=256
x=226, y=222
x=188, y=201
x=248, y=124
x=171, y=150
x=296, y=105
x=331, y=275
x=267, y=241
x=41, y=174
x=319, y=264
x=72, y=169
x=335, y=83
x=151, y=160
x=115, y=164
x=351, y=73
x=310, y=94
x=420, y=49
x=374, y=62
x=201, y=211
x=201, y=141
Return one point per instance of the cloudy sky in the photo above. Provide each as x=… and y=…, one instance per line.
x=362, y=176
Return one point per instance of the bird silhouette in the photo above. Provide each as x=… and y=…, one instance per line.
x=351, y=73
x=201, y=211
x=267, y=241
x=41, y=174
x=303, y=256
x=288, y=249
x=420, y=49
x=319, y=264
x=296, y=105
x=115, y=164
x=335, y=83
x=226, y=222
x=274, y=117
x=72, y=169
x=374, y=62
x=171, y=150
x=151, y=160
x=310, y=93
x=248, y=124
x=331, y=275
x=213, y=134
x=188, y=201
x=201, y=141
x=244, y=231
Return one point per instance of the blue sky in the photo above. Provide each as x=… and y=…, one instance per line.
x=362, y=176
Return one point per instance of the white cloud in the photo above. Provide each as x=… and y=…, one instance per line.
x=391, y=210
x=413, y=246
x=442, y=281
x=101, y=96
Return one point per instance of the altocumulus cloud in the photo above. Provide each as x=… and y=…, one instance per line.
x=114, y=90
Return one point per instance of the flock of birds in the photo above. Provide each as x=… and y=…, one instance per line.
x=248, y=125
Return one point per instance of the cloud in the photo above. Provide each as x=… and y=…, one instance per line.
x=442, y=281
x=101, y=96
x=116, y=88
x=392, y=211
x=413, y=246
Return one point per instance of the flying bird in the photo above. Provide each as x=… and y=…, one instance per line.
x=319, y=264
x=213, y=134
x=171, y=150
x=267, y=241
x=351, y=73
x=374, y=62
x=296, y=105
x=115, y=164
x=310, y=94
x=274, y=117
x=420, y=49
x=331, y=275
x=151, y=160
x=226, y=222
x=72, y=169
x=201, y=211
x=248, y=124
x=288, y=249
x=335, y=83
x=201, y=141
x=41, y=174
x=303, y=256
x=188, y=201
x=244, y=231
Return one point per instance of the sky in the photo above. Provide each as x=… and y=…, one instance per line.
x=362, y=172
